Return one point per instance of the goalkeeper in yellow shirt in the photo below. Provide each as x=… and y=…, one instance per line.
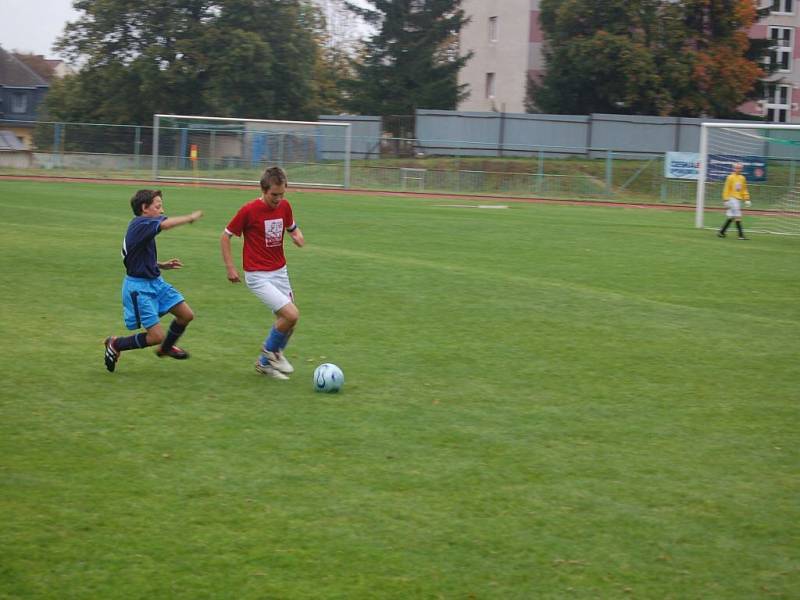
x=733, y=194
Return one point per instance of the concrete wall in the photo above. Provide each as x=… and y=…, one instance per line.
x=507, y=134
x=16, y=159
x=365, y=132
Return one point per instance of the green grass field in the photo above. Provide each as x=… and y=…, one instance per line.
x=544, y=401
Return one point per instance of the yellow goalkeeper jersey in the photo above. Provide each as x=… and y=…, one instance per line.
x=735, y=187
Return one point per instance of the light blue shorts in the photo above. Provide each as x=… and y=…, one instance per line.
x=145, y=301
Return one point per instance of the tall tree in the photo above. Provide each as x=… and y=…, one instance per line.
x=238, y=58
x=658, y=57
x=343, y=29
x=410, y=61
x=726, y=62
x=338, y=34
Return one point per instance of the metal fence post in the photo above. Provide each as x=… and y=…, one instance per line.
x=56, y=142
x=212, y=153
x=155, y=147
x=184, y=147
x=540, y=172
x=501, y=141
x=609, y=172
x=137, y=142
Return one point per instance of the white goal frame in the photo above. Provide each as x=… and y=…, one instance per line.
x=704, y=131
x=345, y=150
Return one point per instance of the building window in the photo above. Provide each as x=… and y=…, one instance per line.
x=492, y=29
x=782, y=7
x=777, y=102
x=490, y=85
x=19, y=102
x=781, y=52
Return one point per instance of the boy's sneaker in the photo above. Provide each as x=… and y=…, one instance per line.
x=741, y=237
x=111, y=355
x=173, y=352
x=278, y=361
x=720, y=234
x=269, y=371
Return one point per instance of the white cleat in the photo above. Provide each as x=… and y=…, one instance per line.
x=269, y=371
x=278, y=361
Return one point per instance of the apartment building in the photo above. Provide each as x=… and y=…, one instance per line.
x=22, y=90
x=781, y=101
x=506, y=40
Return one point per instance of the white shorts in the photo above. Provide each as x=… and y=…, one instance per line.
x=734, y=207
x=271, y=287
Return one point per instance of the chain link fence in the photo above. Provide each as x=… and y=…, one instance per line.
x=87, y=150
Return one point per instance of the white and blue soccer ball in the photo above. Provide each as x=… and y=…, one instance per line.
x=328, y=378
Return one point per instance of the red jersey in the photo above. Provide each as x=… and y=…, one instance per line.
x=263, y=229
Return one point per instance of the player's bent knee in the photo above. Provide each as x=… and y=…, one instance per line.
x=183, y=313
x=290, y=314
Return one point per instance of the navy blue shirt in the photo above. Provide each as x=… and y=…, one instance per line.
x=139, y=247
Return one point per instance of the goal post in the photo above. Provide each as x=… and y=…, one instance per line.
x=231, y=150
x=770, y=156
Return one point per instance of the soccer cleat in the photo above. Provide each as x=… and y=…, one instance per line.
x=173, y=352
x=269, y=371
x=111, y=355
x=720, y=234
x=741, y=237
x=278, y=361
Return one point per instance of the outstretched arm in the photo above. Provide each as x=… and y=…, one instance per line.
x=171, y=222
x=225, y=246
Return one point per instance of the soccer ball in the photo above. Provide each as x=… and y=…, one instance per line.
x=328, y=378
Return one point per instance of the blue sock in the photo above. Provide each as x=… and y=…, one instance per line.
x=276, y=340
x=286, y=337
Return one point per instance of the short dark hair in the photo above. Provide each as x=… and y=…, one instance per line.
x=143, y=198
x=272, y=175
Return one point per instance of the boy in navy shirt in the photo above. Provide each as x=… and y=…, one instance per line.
x=146, y=297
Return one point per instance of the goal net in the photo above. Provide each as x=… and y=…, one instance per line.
x=225, y=150
x=770, y=156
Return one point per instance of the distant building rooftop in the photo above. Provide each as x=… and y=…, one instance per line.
x=15, y=73
x=10, y=142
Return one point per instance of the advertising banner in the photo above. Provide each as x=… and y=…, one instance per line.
x=754, y=168
x=682, y=165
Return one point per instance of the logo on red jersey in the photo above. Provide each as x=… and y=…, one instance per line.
x=273, y=232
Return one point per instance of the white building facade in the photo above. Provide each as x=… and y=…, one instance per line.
x=506, y=40
x=781, y=101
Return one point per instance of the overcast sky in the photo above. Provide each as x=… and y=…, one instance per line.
x=34, y=25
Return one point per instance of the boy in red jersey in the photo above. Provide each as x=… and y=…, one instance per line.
x=262, y=222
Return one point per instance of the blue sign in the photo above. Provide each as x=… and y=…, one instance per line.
x=754, y=168
x=682, y=165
